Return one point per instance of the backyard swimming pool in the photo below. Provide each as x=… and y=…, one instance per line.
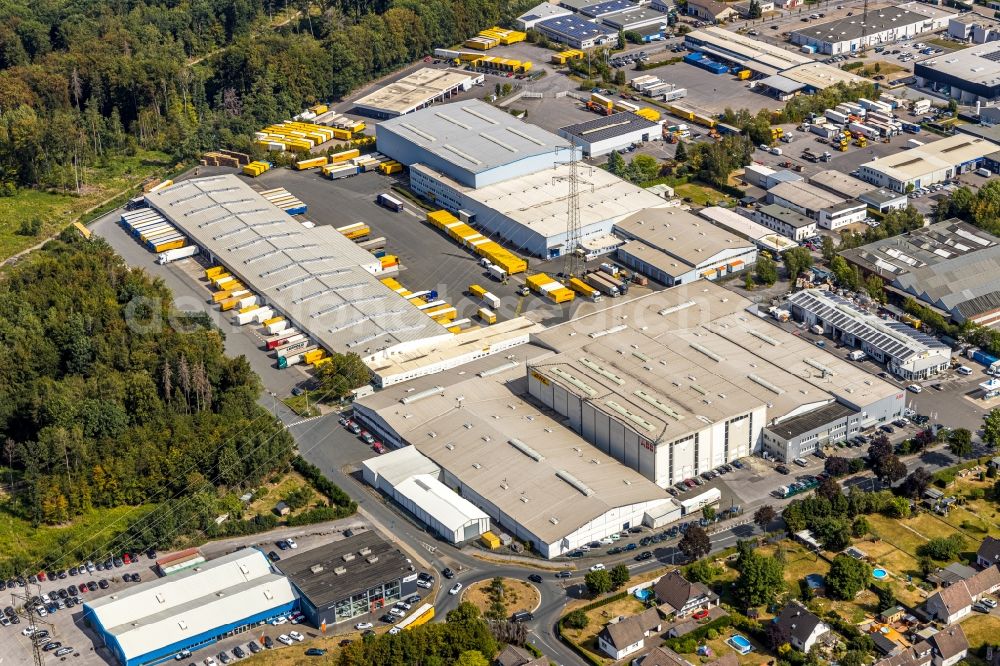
x=740, y=644
x=878, y=573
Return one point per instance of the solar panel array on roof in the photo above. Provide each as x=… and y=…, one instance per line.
x=894, y=339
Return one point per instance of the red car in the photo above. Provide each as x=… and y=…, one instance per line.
x=126, y=558
x=379, y=447
x=700, y=614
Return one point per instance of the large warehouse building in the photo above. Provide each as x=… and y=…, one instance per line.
x=681, y=381
x=732, y=47
x=411, y=479
x=471, y=142
x=907, y=352
x=509, y=177
x=416, y=91
x=928, y=164
x=969, y=76
x=951, y=266
x=674, y=247
x=885, y=26
x=354, y=576
x=534, y=478
x=323, y=283
x=150, y=622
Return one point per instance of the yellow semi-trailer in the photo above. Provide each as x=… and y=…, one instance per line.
x=487, y=315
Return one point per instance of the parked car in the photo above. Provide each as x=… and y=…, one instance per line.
x=297, y=636
x=238, y=652
x=361, y=626
x=63, y=651
x=284, y=638
x=318, y=652
x=253, y=647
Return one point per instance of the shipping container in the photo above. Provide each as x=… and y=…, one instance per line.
x=544, y=285
x=496, y=272
x=492, y=300
x=390, y=202
x=172, y=243
x=603, y=283
x=213, y=271
x=311, y=163
x=476, y=290
x=344, y=156
x=356, y=230
x=296, y=347
x=277, y=325
x=244, y=316
x=179, y=253
x=487, y=315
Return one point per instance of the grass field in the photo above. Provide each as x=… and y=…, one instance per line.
x=703, y=195
x=719, y=648
x=22, y=543
x=57, y=210
x=947, y=43
x=518, y=595
x=276, y=491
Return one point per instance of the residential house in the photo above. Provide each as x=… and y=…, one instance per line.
x=955, y=601
x=627, y=635
x=950, y=646
x=710, y=10
x=802, y=627
x=664, y=656
x=988, y=554
x=788, y=4
x=951, y=574
x=516, y=656
x=920, y=653
x=679, y=596
x=744, y=8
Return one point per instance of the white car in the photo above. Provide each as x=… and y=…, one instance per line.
x=403, y=605
x=425, y=584
x=597, y=567
x=209, y=661
x=281, y=619
x=396, y=612
x=291, y=542
x=283, y=638
x=989, y=602
x=394, y=631
x=297, y=636
x=606, y=541
x=361, y=626
x=455, y=589
x=916, y=388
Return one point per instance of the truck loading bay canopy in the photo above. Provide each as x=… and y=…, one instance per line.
x=317, y=278
x=415, y=91
x=753, y=54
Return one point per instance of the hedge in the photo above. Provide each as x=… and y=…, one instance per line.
x=701, y=632
x=315, y=476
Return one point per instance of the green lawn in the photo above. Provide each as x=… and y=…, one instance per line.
x=702, y=195
x=20, y=542
x=57, y=210
x=947, y=43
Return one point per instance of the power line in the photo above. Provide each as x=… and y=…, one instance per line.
x=31, y=617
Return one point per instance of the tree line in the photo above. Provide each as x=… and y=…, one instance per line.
x=108, y=397
x=85, y=81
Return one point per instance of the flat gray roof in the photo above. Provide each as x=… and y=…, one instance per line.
x=702, y=356
x=608, y=127
x=475, y=426
x=325, y=577
x=680, y=234
x=976, y=64
x=840, y=183
x=782, y=84
x=575, y=27
x=787, y=215
x=639, y=16
x=851, y=27
x=474, y=135
x=317, y=278
x=948, y=283
x=413, y=90
x=806, y=195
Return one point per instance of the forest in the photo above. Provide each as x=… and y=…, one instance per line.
x=109, y=398
x=85, y=81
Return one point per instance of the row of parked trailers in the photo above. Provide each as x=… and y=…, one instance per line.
x=465, y=235
x=651, y=86
x=152, y=230
x=286, y=201
x=866, y=118
x=291, y=346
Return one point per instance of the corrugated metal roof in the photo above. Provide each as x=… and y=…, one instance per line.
x=162, y=612
x=316, y=277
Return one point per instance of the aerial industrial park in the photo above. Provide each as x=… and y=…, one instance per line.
x=625, y=332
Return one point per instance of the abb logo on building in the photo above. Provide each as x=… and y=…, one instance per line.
x=646, y=444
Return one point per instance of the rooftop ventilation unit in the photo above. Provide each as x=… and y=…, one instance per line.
x=634, y=418
x=819, y=366
x=602, y=371
x=526, y=450
x=766, y=384
x=576, y=483
x=706, y=351
x=421, y=395
x=666, y=409
x=677, y=308
x=316, y=568
x=572, y=379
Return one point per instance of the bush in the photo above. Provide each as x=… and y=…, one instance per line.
x=576, y=620
x=678, y=643
x=711, y=634
x=333, y=492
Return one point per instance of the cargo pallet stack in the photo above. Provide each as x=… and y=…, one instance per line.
x=468, y=237
x=226, y=158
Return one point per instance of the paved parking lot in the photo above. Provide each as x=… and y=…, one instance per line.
x=707, y=92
